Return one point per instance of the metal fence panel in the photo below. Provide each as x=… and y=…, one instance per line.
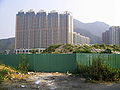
x=113, y=60
x=59, y=62
x=54, y=62
x=43, y=62
x=10, y=60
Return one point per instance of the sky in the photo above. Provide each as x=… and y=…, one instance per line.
x=86, y=11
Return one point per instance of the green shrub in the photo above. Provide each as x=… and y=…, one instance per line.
x=115, y=48
x=34, y=51
x=51, y=48
x=96, y=46
x=108, y=50
x=82, y=51
x=23, y=64
x=3, y=74
x=100, y=46
x=99, y=71
x=68, y=46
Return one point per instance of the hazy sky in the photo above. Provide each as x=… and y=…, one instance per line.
x=107, y=11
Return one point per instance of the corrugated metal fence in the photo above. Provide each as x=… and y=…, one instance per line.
x=59, y=62
x=43, y=62
x=113, y=60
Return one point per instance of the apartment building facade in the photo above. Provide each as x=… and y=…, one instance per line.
x=80, y=39
x=112, y=36
x=41, y=29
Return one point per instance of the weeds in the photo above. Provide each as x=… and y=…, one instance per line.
x=99, y=71
x=3, y=74
x=51, y=48
x=23, y=65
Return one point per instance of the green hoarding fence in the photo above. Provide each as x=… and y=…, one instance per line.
x=59, y=62
x=54, y=62
x=10, y=60
x=43, y=62
x=113, y=60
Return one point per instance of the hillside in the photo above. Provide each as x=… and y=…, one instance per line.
x=93, y=39
x=7, y=44
x=96, y=28
x=96, y=48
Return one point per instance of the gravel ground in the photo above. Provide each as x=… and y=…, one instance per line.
x=56, y=81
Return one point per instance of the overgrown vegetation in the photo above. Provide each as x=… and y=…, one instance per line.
x=3, y=74
x=10, y=73
x=23, y=64
x=108, y=50
x=96, y=48
x=51, y=48
x=83, y=49
x=99, y=71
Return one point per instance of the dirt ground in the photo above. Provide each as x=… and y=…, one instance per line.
x=56, y=81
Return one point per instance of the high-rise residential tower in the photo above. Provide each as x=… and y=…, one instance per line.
x=41, y=29
x=53, y=28
x=112, y=36
x=66, y=28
